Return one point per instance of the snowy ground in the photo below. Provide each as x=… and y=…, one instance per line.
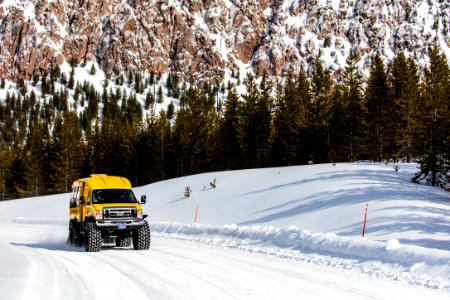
x=279, y=233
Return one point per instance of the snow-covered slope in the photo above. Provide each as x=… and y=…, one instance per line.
x=276, y=221
x=322, y=198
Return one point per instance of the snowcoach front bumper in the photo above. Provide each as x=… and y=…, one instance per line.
x=120, y=225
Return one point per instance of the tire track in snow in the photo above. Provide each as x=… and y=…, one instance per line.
x=209, y=271
x=178, y=281
x=46, y=276
x=274, y=275
x=103, y=281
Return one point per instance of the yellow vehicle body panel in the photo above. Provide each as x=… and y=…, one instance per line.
x=103, y=181
x=81, y=204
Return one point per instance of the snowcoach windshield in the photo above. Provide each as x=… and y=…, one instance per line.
x=113, y=196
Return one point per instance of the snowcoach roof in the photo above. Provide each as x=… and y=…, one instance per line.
x=103, y=181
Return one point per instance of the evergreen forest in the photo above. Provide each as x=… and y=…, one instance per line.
x=71, y=130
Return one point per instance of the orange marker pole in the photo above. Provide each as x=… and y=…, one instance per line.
x=196, y=213
x=365, y=219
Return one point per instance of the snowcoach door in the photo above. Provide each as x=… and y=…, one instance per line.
x=81, y=202
x=75, y=204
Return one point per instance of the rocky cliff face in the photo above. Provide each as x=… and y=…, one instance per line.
x=202, y=40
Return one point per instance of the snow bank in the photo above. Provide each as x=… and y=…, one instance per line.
x=415, y=264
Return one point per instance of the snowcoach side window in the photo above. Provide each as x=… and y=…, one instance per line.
x=74, y=198
x=77, y=200
x=88, y=200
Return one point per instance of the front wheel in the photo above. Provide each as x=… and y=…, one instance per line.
x=142, y=237
x=93, y=238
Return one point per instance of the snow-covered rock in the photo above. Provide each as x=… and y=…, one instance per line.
x=201, y=40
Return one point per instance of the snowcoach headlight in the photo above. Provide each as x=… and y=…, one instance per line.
x=139, y=214
x=98, y=215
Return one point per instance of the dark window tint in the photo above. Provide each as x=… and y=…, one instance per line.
x=113, y=196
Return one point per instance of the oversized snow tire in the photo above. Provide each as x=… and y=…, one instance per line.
x=124, y=241
x=93, y=238
x=75, y=238
x=142, y=237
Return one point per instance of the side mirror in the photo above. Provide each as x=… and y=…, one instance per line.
x=82, y=200
x=143, y=199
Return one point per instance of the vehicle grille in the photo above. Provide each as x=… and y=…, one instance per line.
x=119, y=213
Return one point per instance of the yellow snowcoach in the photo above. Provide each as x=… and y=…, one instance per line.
x=104, y=211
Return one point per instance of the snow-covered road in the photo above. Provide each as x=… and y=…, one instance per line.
x=38, y=264
x=287, y=233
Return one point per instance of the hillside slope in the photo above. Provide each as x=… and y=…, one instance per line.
x=320, y=198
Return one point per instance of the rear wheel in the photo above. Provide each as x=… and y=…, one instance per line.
x=123, y=241
x=75, y=238
x=93, y=238
x=142, y=237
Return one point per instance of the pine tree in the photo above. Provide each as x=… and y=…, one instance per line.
x=302, y=104
x=55, y=73
x=264, y=115
x=45, y=88
x=63, y=78
x=192, y=130
x=376, y=99
x=175, y=88
x=36, y=150
x=152, y=78
x=97, y=145
x=404, y=90
x=145, y=151
x=283, y=124
x=248, y=126
x=394, y=116
x=134, y=110
x=35, y=79
x=22, y=86
x=6, y=160
x=409, y=108
x=170, y=111
x=19, y=169
x=169, y=85
x=289, y=145
x=337, y=123
x=163, y=143
x=71, y=81
x=350, y=131
x=138, y=87
x=66, y=151
x=93, y=104
x=254, y=129
x=229, y=131
x=119, y=80
x=122, y=157
x=160, y=95
x=92, y=70
x=149, y=101
x=320, y=112
x=433, y=122
x=130, y=77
